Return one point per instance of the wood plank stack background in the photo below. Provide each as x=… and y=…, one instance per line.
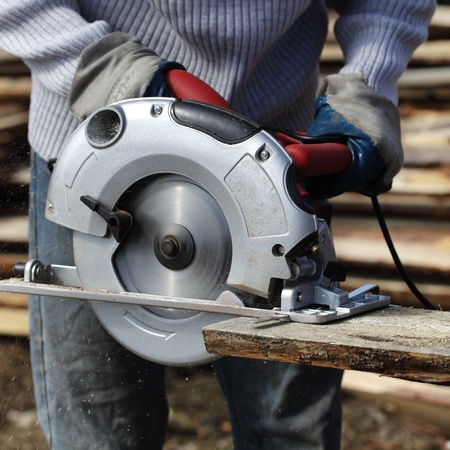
x=417, y=208
x=15, y=87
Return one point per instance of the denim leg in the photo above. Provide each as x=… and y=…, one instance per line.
x=275, y=405
x=91, y=393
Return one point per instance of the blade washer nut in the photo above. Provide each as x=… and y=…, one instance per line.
x=170, y=247
x=174, y=247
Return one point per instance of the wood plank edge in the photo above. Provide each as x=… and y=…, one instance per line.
x=398, y=364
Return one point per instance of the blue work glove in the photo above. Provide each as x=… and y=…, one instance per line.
x=116, y=67
x=371, y=124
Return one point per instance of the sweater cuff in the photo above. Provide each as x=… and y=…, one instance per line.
x=379, y=45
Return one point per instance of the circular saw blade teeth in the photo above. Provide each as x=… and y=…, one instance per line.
x=179, y=245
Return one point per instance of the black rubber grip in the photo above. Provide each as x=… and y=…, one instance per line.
x=223, y=125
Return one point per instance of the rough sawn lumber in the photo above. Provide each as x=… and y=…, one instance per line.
x=400, y=342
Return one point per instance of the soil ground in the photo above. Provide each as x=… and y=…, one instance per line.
x=198, y=416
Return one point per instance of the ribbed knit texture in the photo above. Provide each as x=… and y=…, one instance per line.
x=378, y=38
x=260, y=55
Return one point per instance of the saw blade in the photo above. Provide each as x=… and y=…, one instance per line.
x=179, y=245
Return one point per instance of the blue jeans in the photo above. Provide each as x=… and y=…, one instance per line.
x=92, y=393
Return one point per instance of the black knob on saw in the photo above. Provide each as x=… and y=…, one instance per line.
x=335, y=271
x=117, y=221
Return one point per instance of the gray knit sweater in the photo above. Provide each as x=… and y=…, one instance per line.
x=261, y=55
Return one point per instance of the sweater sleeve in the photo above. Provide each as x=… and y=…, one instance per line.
x=49, y=36
x=378, y=38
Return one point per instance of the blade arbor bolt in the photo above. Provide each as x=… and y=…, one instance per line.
x=174, y=246
x=170, y=247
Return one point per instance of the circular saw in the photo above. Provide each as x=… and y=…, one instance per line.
x=184, y=214
x=180, y=199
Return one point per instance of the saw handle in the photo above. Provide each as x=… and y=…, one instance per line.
x=184, y=85
x=314, y=160
x=311, y=160
x=318, y=158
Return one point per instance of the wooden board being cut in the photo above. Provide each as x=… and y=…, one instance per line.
x=400, y=342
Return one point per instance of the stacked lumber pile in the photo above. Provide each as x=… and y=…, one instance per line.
x=417, y=208
x=426, y=402
x=14, y=100
x=15, y=85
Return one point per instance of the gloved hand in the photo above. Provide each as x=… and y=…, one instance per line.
x=114, y=68
x=371, y=123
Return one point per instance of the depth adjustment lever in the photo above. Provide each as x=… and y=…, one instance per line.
x=119, y=222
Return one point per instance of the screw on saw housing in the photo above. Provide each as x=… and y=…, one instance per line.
x=335, y=271
x=118, y=222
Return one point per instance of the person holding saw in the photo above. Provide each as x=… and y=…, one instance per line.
x=262, y=58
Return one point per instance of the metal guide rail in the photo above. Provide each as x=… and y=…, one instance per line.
x=66, y=286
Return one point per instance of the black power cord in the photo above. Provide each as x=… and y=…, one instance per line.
x=401, y=269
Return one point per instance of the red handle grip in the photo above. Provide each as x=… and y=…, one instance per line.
x=185, y=85
x=313, y=160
